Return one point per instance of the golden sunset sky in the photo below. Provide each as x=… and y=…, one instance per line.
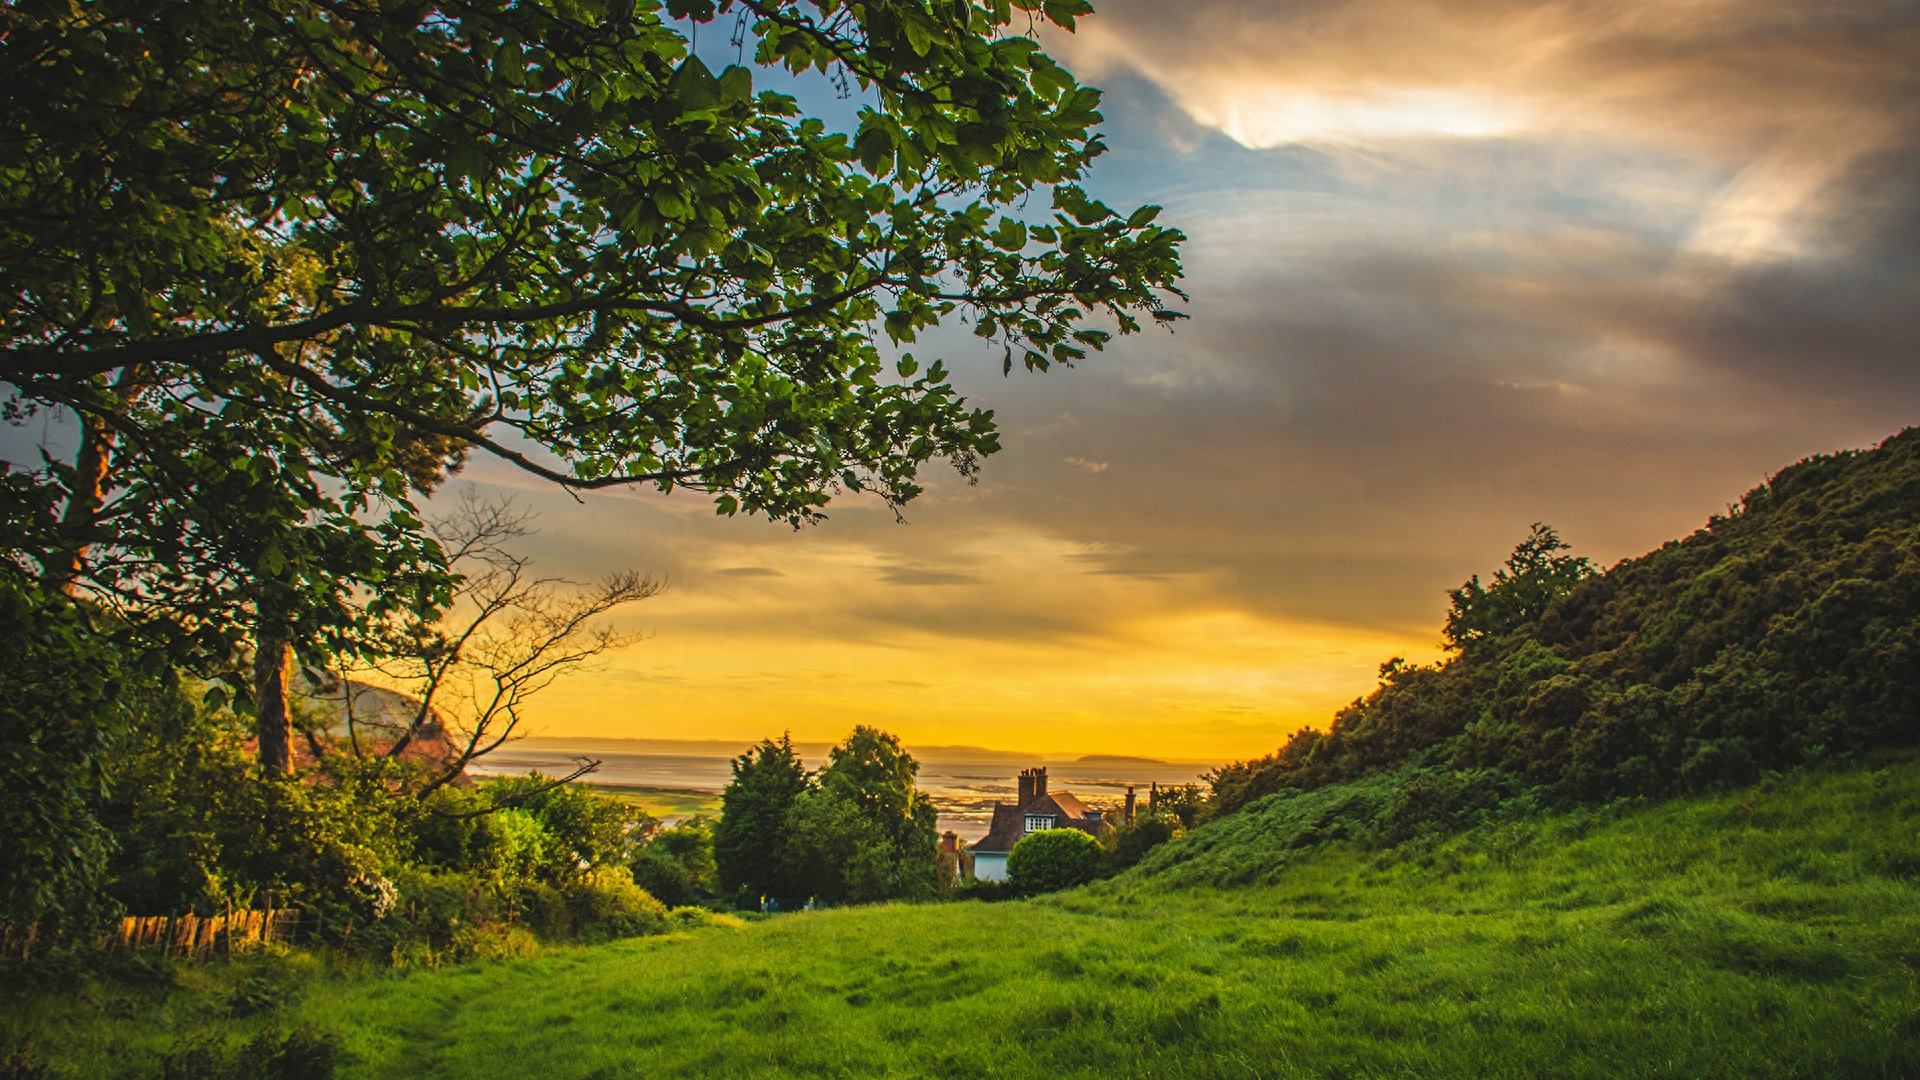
x=1455, y=267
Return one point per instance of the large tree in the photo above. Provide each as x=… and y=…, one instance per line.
x=750, y=840
x=313, y=252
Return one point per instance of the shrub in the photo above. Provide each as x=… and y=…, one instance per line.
x=689, y=843
x=689, y=918
x=608, y=904
x=61, y=691
x=1130, y=843
x=1053, y=859
x=303, y=1054
x=664, y=876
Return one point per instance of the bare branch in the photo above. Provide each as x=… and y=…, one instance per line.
x=507, y=637
x=582, y=766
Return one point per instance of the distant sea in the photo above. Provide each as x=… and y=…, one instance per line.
x=963, y=781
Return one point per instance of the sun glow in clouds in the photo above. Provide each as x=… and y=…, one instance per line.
x=1261, y=117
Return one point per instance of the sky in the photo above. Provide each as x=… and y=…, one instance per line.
x=1455, y=268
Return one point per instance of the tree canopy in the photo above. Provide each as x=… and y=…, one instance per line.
x=749, y=840
x=503, y=224
x=291, y=262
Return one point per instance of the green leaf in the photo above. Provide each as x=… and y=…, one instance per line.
x=693, y=87
x=917, y=35
x=736, y=85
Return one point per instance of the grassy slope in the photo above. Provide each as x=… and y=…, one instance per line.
x=1770, y=932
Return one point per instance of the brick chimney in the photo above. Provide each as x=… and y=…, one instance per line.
x=1033, y=784
x=1129, y=816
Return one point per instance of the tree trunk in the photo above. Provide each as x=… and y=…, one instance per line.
x=83, y=504
x=272, y=659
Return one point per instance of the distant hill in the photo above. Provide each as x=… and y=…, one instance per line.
x=379, y=717
x=1784, y=632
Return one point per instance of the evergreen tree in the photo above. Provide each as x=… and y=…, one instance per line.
x=750, y=838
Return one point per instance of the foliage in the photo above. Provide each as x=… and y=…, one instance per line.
x=1183, y=801
x=303, y=1054
x=1053, y=859
x=1783, y=633
x=664, y=877
x=289, y=262
x=1130, y=841
x=691, y=844
x=677, y=861
x=859, y=831
x=1519, y=594
x=61, y=713
x=568, y=830
x=197, y=828
x=1763, y=933
x=749, y=840
x=868, y=831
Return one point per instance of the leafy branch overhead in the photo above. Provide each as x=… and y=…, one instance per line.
x=549, y=232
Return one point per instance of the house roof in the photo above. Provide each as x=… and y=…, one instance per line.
x=1008, y=826
x=1067, y=804
x=1010, y=820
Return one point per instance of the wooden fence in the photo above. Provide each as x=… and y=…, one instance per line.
x=190, y=936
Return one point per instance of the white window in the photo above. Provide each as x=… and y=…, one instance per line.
x=1036, y=822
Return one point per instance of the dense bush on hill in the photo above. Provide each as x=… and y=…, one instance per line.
x=1780, y=633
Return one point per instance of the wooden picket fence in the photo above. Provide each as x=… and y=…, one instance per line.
x=190, y=936
x=194, y=937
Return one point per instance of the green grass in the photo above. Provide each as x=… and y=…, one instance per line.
x=1773, y=932
x=664, y=802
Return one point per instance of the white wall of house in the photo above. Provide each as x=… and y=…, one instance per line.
x=989, y=867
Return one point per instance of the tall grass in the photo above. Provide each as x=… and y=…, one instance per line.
x=1771, y=932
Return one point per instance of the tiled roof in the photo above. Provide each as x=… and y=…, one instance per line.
x=1008, y=827
x=1069, y=806
x=1010, y=820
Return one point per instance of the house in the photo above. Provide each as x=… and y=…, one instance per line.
x=1037, y=809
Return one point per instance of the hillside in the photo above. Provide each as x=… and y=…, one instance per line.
x=1764, y=933
x=1779, y=634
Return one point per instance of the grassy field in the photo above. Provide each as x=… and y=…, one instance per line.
x=664, y=802
x=1773, y=932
